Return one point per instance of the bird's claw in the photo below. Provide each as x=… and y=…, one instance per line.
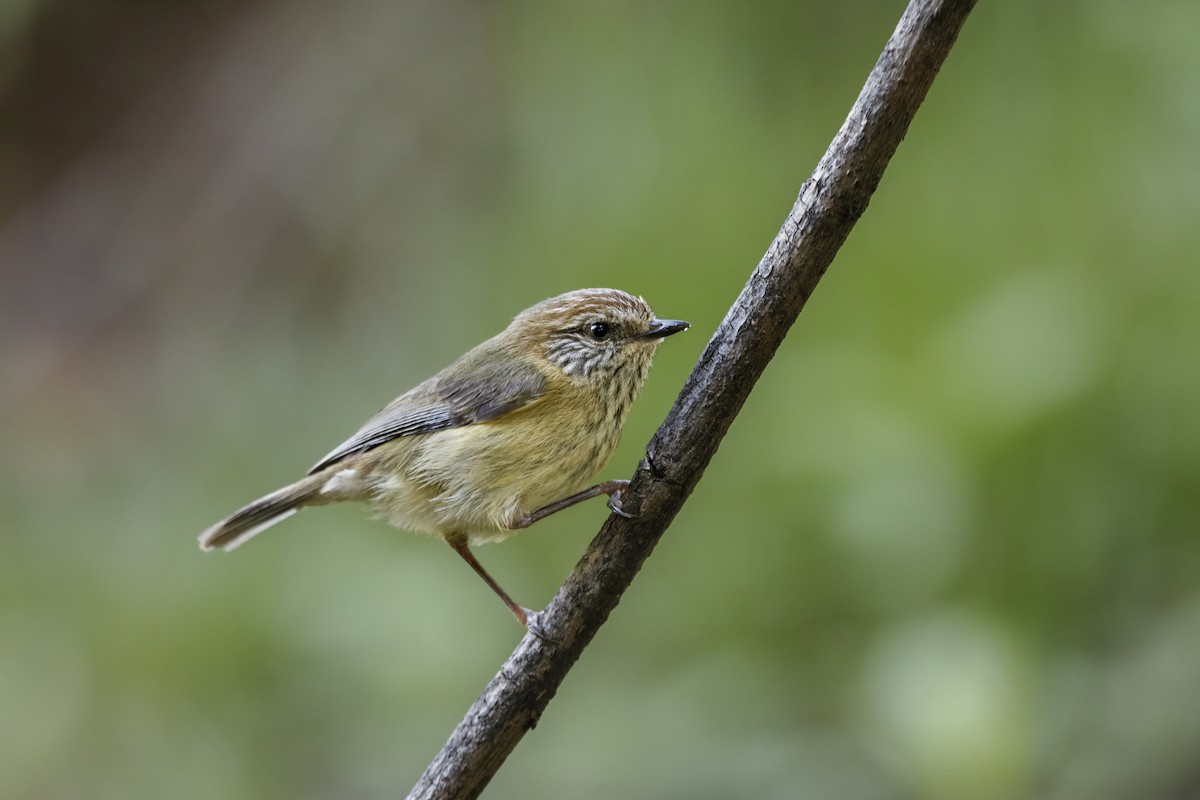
x=533, y=624
x=614, y=505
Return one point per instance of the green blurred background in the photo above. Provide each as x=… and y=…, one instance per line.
x=948, y=550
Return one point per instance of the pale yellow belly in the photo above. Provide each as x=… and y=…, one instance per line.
x=479, y=479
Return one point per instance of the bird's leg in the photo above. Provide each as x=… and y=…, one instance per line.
x=611, y=488
x=529, y=619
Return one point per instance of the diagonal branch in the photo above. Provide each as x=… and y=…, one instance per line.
x=830, y=202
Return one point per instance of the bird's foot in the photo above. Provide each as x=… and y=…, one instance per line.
x=533, y=624
x=614, y=501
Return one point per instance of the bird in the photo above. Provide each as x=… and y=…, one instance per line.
x=506, y=435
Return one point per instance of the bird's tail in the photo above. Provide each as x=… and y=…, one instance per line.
x=264, y=512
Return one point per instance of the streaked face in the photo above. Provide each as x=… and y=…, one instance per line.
x=594, y=333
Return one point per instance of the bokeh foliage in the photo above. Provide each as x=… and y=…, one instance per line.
x=948, y=549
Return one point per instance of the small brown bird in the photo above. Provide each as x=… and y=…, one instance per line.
x=506, y=435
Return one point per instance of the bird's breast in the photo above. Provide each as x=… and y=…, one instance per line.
x=478, y=479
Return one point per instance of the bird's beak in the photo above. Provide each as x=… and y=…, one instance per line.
x=662, y=328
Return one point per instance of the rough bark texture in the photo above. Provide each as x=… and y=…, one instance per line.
x=829, y=204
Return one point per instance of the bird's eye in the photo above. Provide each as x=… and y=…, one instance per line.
x=598, y=330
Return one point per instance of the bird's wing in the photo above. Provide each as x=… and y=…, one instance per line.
x=446, y=401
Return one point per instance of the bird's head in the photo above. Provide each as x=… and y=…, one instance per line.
x=595, y=334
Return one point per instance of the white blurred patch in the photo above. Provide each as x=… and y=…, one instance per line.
x=904, y=523
x=1028, y=346
x=944, y=700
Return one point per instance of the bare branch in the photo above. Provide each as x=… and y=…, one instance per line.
x=829, y=204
